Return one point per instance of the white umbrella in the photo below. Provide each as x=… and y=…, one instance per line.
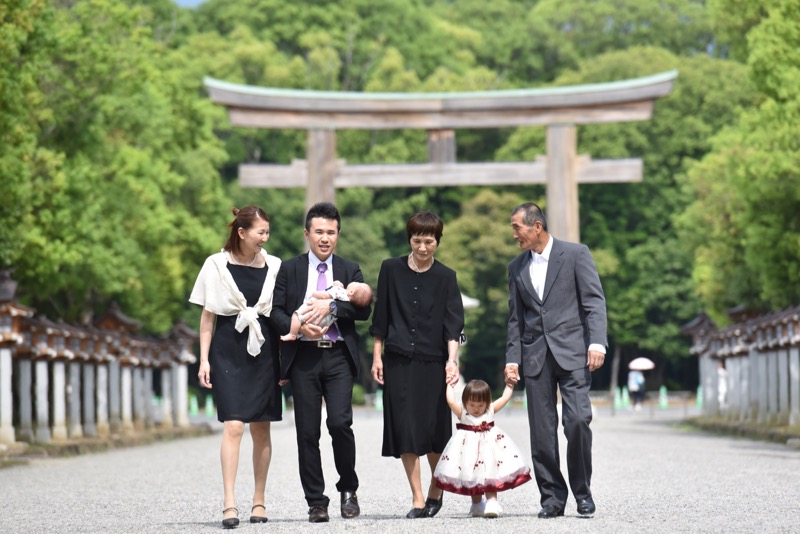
x=641, y=364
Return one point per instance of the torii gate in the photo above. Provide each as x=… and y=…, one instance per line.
x=560, y=109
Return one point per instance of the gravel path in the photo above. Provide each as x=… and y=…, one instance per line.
x=649, y=476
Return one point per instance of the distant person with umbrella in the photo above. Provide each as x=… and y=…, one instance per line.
x=636, y=380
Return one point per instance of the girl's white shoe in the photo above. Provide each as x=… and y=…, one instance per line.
x=476, y=510
x=492, y=509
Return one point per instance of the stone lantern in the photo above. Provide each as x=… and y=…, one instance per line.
x=183, y=339
x=119, y=327
x=12, y=318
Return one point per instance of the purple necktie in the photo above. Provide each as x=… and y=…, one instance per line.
x=322, y=285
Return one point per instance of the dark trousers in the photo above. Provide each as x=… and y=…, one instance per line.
x=318, y=374
x=575, y=416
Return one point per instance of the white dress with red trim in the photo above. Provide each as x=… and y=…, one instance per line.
x=480, y=457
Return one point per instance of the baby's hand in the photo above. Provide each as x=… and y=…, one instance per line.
x=337, y=283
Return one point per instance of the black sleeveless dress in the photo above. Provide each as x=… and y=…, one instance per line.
x=245, y=387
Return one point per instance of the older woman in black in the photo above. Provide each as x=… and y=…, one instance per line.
x=417, y=324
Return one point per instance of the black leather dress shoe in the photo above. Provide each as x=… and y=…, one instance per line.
x=350, y=508
x=548, y=512
x=432, y=506
x=416, y=513
x=586, y=506
x=318, y=514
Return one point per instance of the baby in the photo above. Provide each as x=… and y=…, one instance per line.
x=359, y=293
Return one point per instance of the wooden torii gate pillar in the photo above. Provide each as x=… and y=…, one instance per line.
x=559, y=109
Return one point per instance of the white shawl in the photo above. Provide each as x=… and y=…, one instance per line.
x=216, y=291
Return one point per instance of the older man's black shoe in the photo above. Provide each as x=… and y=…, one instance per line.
x=548, y=512
x=586, y=506
x=350, y=508
x=318, y=514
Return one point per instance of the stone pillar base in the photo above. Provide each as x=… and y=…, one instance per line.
x=103, y=430
x=7, y=435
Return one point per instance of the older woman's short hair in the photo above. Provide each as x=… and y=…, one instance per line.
x=424, y=223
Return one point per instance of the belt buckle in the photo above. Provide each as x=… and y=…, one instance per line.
x=324, y=343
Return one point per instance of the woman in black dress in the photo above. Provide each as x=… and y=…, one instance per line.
x=240, y=359
x=417, y=324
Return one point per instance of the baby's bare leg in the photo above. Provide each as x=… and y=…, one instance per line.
x=293, y=329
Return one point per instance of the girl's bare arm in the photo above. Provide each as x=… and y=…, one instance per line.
x=503, y=400
x=450, y=393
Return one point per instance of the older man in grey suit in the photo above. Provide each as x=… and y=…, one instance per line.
x=556, y=337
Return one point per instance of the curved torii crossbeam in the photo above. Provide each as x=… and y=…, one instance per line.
x=558, y=108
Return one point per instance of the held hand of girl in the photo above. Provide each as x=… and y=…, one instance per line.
x=451, y=373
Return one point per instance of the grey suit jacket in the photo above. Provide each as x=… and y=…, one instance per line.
x=569, y=317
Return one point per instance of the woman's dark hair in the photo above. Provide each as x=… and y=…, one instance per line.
x=476, y=391
x=425, y=223
x=245, y=218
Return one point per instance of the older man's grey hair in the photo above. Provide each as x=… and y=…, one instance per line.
x=531, y=214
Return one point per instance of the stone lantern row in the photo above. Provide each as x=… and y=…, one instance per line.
x=750, y=371
x=60, y=381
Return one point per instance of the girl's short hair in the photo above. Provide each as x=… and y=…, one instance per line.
x=476, y=391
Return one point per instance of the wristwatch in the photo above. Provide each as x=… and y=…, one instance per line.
x=333, y=306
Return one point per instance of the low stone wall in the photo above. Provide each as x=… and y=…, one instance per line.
x=61, y=382
x=750, y=371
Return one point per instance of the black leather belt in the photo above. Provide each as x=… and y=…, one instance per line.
x=324, y=343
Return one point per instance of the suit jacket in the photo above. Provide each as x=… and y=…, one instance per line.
x=569, y=317
x=290, y=290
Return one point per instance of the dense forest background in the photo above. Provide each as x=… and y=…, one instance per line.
x=117, y=174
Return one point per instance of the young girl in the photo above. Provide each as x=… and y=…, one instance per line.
x=480, y=458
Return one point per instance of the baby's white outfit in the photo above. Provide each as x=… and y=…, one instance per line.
x=337, y=293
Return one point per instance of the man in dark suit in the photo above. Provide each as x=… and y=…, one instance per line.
x=556, y=338
x=322, y=363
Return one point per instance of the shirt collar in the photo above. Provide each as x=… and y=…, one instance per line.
x=314, y=261
x=545, y=255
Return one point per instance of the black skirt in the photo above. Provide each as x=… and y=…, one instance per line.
x=245, y=387
x=416, y=418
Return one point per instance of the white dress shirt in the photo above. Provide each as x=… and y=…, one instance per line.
x=538, y=267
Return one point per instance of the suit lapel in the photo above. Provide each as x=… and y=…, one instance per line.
x=553, y=266
x=525, y=275
x=337, y=269
x=301, y=280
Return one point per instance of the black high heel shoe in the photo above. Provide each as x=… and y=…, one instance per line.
x=231, y=522
x=258, y=518
x=432, y=506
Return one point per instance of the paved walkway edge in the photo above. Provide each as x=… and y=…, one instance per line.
x=21, y=452
x=787, y=435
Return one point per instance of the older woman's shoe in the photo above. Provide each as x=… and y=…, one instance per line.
x=231, y=522
x=432, y=506
x=416, y=513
